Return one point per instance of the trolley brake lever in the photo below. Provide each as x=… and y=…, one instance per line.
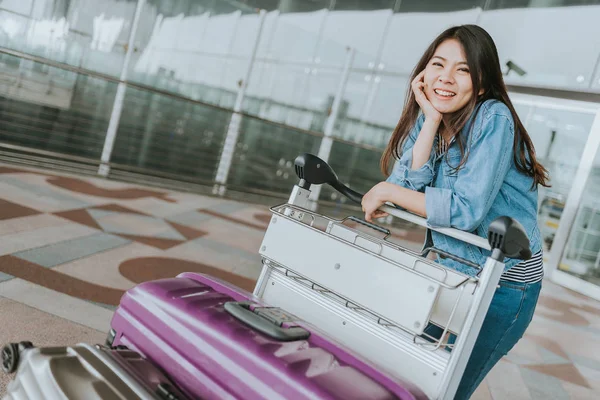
x=452, y=257
x=370, y=225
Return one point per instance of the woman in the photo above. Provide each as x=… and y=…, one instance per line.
x=463, y=159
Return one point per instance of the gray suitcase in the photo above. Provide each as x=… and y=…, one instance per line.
x=82, y=372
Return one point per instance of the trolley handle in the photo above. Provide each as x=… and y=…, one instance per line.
x=504, y=234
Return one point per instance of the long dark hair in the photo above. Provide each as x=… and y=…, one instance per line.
x=486, y=74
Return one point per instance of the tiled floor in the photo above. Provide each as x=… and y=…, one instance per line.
x=70, y=246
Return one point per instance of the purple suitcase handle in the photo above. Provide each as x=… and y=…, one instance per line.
x=268, y=326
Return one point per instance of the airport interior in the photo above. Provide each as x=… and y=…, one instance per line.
x=143, y=139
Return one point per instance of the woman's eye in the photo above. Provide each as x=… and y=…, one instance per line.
x=464, y=70
x=437, y=64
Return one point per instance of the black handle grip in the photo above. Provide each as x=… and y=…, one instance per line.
x=346, y=191
x=242, y=312
x=370, y=225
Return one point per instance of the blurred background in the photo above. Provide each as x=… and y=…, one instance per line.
x=219, y=96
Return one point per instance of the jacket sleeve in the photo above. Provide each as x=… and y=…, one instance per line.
x=478, y=181
x=403, y=174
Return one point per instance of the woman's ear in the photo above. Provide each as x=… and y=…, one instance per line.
x=481, y=91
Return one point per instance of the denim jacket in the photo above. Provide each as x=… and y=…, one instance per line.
x=486, y=187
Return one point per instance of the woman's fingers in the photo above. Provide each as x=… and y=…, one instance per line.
x=420, y=96
x=380, y=214
x=419, y=77
x=370, y=216
x=418, y=86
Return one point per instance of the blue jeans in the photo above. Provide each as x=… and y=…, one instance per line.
x=507, y=319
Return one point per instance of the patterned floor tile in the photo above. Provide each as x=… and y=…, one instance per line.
x=247, y=238
x=46, y=193
x=192, y=201
x=10, y=210
x=63, y=252
x=191, y=218
x=577, y=392
x=57, y=281
x=42, y=237
x=585, y=361
x=566, y=372
x=103, y=268
x=134, y=225
x=225, y=217
x=68, y=307
x=226, y=207
x=592, y=376
x=138, y=225
x=30, y=223
x=143, y=269
x=506, y=382
x=91, y=189
x=220, y=255
x=527, y=350
x=158, y=207
x=542, y=386
x=81, y=216
x=5, y=277
x=43, y=181
x=255, y=215
x=482, y=392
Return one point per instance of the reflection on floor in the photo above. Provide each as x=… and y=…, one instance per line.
x=71, y=246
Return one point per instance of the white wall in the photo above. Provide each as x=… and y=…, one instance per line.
x=18, y=6
x=411, y=33
x=362, y=30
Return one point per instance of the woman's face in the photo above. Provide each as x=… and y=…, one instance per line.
x=447, y=78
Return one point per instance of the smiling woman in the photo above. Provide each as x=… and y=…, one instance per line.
x=446, y=78
x=464, y=159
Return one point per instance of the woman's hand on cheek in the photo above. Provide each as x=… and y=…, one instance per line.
x=374, y=199
x=418, y=87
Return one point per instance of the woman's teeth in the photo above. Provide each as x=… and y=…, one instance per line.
x=444, y=93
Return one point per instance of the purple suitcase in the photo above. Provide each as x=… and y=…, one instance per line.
x=186, y=326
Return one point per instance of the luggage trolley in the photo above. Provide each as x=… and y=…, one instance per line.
x=377, y=297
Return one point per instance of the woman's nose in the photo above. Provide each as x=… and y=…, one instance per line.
x=446, y=78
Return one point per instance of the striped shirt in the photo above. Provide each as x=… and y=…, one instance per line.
x=529, y=271
x=443, y=145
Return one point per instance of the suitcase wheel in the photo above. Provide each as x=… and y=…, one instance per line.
x=10, y=355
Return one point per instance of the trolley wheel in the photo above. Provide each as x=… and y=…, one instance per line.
x=10, y=358
x=11, y=354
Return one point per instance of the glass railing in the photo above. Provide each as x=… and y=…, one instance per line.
x=51, y=109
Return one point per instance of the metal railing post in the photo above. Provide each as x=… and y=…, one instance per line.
x=115, y=117
x=233, y=129
x=327, y=141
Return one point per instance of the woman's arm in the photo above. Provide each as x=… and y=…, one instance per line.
x=421, y=151
x=414, y=169
x=408, y=199
x=477, y=184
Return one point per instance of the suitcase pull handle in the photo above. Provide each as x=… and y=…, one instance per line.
x=265, y=323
